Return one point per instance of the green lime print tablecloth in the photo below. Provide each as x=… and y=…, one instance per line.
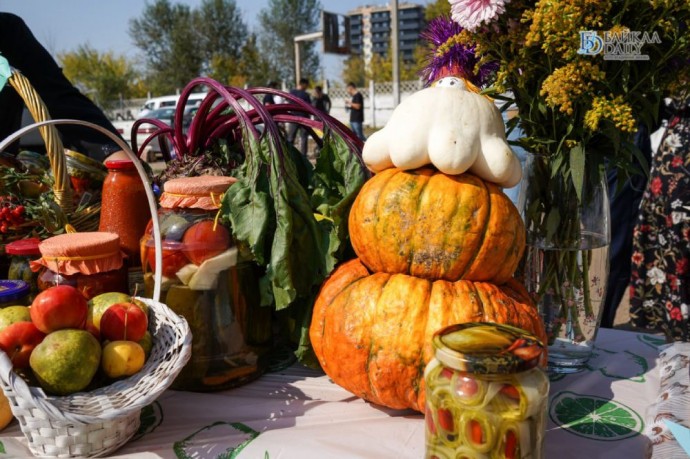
x=299, y=413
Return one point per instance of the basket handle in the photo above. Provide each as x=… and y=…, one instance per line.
x=51, y=137
x=149, y=192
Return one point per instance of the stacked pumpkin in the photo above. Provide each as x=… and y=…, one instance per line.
x=434, y=249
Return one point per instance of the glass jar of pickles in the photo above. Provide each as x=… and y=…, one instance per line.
x=485, y=393
x=211, y=282
x=22, y=252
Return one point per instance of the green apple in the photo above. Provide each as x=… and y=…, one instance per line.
x=12, y=314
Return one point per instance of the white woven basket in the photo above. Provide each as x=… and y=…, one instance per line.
x=99, y=422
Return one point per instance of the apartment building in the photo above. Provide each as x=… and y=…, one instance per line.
x=370, y=29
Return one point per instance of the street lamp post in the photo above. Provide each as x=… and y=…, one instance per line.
x=396, y=54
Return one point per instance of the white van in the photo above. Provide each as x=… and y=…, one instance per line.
x=169, y=101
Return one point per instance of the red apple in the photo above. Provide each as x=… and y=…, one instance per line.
x=59, y=307
x=124, y=321
x=173, y=257
x=18, y=340
x=201, y=241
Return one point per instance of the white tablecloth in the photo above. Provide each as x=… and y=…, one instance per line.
x=300, y=413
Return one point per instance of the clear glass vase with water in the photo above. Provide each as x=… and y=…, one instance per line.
x=566, y=263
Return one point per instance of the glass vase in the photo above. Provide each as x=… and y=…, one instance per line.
x=566, y=263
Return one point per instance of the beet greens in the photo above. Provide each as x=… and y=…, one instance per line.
x=290, y=214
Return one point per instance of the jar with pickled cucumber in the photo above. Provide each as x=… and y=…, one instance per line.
x=21, y=252
x=210, y=281
x=486, y=395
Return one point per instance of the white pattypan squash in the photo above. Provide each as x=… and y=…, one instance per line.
x=450, y=127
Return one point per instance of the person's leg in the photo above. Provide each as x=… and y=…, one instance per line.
x=624, y=207
x=303, y=141
x=291, y=133
x=358, y=129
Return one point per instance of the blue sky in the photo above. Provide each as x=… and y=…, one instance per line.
x=63, y=25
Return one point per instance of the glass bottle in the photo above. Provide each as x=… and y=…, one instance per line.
x=209, y=281
x=125, y=212
x=485, y=393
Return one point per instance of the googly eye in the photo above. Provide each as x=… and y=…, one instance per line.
x=451, y=82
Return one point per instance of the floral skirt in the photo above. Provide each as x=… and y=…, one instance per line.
x=660, y=280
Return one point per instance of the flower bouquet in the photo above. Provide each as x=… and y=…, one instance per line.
x=584, y=75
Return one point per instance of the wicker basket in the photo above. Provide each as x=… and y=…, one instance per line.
x=84, y=218
x=98, y=422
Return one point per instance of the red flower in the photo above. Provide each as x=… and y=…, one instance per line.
x=655, y=186
x=677, y=161
x=672, y=281
x=682, y=266
x=669, y=306
x=675, y=314
x=637, y=258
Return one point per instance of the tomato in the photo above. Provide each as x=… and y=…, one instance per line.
x=173, y=257
x=204, y=240
x=445, y=419
x=466, y=387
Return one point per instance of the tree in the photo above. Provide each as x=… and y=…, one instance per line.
x=253, y=67
x=280, y=22
x=102, y=77
x=223, y=35
x=354, y=70
x=436, y=9
x=166, y=35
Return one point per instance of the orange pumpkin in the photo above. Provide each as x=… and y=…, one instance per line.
x=372, y=332
x=436, y=226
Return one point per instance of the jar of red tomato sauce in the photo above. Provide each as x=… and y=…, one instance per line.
x=211, y=282
x=91, y=262
x=485, y=393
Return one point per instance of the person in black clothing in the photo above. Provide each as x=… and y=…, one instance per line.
x=24, y=53
x=301, y=92
x=270, y=98
x=356, y=106
x=321, y=101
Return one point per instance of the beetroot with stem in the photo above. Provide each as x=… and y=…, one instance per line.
x=290, y=214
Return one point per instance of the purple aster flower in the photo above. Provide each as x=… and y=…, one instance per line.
x=449, y=57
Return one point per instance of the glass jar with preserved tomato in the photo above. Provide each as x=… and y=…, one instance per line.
x=14, y=293
x=91, y=262
x=208, y=281
x=485, y=393
x=21, y=252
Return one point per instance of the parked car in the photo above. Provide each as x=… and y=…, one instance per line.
x=168, y=101
x=145, y=130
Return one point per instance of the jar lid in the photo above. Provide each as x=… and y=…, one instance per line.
x=119, y=164
x=85, y=253
x=203, y=192
x=24, y=247
x=487, y=348
x=11, y=290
